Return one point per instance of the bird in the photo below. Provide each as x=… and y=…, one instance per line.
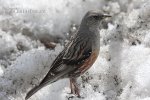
x=78, y=55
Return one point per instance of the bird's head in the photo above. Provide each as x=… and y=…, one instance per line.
x=93, y=18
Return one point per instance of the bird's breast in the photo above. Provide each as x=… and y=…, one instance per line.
x=86, y=65
x=89, y=62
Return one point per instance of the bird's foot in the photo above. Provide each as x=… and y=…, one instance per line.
x=72, y=96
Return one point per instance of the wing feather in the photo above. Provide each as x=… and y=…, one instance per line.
x=78, y=52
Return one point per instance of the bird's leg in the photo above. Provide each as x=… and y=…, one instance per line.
x=71, y=85
x=76, y=89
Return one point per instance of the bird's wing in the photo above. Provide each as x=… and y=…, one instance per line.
x=75, y=53
x=56, y=69
x=78, y=51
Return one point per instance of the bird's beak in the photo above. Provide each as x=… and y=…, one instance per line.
x=106, y=16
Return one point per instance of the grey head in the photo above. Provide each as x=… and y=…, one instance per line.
x=89, y=28
x=92, y=20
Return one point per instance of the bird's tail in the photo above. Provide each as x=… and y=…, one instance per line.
x=34, y=90
x=47, y=80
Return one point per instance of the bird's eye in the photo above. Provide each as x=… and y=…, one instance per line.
x=96, y=17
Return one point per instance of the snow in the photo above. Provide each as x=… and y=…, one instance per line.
x=121, y=71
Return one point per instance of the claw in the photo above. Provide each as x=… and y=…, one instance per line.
x=74, y=87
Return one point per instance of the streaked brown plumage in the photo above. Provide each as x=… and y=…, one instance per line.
x=78, y=55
